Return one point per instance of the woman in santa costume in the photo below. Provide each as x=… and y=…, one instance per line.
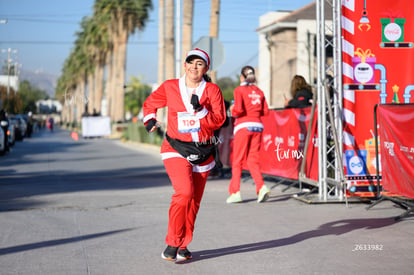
x=195, y=110
x=249, y=105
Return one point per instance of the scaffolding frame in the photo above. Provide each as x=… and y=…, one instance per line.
x=331, y=182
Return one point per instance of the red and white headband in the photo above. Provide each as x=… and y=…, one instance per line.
x=199, y=53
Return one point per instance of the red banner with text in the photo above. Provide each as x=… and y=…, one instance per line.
x=283, y=144
x=377, y=53
x=396, y=124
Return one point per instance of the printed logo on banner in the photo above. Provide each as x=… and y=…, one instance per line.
x=288, y=154
x=393, y=33
x=390, y=147
x=355, y=163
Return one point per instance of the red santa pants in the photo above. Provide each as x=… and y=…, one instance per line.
x=185, y=202
x=246, y=148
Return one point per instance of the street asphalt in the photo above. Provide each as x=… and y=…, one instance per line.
x=100, y=206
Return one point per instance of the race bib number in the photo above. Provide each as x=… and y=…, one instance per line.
x=188, y=123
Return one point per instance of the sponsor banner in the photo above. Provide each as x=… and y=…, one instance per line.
x=283, y=144
x=378, y=40
x=396, y=124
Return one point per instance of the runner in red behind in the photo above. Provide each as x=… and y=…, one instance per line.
x=249, y=105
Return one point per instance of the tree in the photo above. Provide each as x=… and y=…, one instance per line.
x=98, y=44
x=29, y=95
x=214, y=27
x=135, y=95
x=10, y=100
x=24, y=100
x=227, y=86
x=169, y=40
x=126, y=17
x=188, y=13
x=161, y=41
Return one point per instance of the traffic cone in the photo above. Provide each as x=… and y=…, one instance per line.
x=74, y=136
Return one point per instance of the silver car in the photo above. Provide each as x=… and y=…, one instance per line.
x=20, y=126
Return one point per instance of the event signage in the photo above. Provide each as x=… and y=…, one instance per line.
x=396, y=123
x=377, y=51
x=283, y=144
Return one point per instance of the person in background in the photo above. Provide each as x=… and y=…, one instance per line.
x=50, y=123
x=95, y=113
x=195, y=109
x=249, y=106
x=301, y=93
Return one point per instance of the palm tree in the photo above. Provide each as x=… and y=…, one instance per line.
x=126, y=17
x=161, y=42
x=98, y=46
x=188, y=12
x=135, y=94
x=169, y=40
x=214, y=27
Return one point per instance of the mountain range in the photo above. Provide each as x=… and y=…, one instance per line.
x=41, y=80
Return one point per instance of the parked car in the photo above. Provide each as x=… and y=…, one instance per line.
x=2, y=145
x=20, y=126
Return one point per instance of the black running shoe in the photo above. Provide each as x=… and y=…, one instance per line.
x=170, y=253
x=184, y=254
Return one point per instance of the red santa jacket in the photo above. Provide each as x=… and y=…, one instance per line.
x=174, y=95
x=249, y=105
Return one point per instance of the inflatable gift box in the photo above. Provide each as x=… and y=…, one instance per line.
x=364, y=65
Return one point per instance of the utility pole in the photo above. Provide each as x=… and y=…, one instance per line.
x=8, y=71
x=178, y=39
x=9, y=60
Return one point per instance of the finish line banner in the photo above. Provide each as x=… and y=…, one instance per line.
x=283, y=144
x=377, y=54
x=396, y=124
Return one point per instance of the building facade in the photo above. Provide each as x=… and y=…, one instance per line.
x=287, y=46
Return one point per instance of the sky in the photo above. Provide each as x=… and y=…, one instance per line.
x=41, y=33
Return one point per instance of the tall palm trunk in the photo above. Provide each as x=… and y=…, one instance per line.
x=91, y=92
x=161, y=41
x=214, y=28
x=99, y=78
x=109, y=87
x=161, y=113
x=119, y=75
x=169, y=40
x=188, y=13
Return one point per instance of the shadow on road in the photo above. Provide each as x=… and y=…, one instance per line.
x=332, y=228
x=31, y=246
